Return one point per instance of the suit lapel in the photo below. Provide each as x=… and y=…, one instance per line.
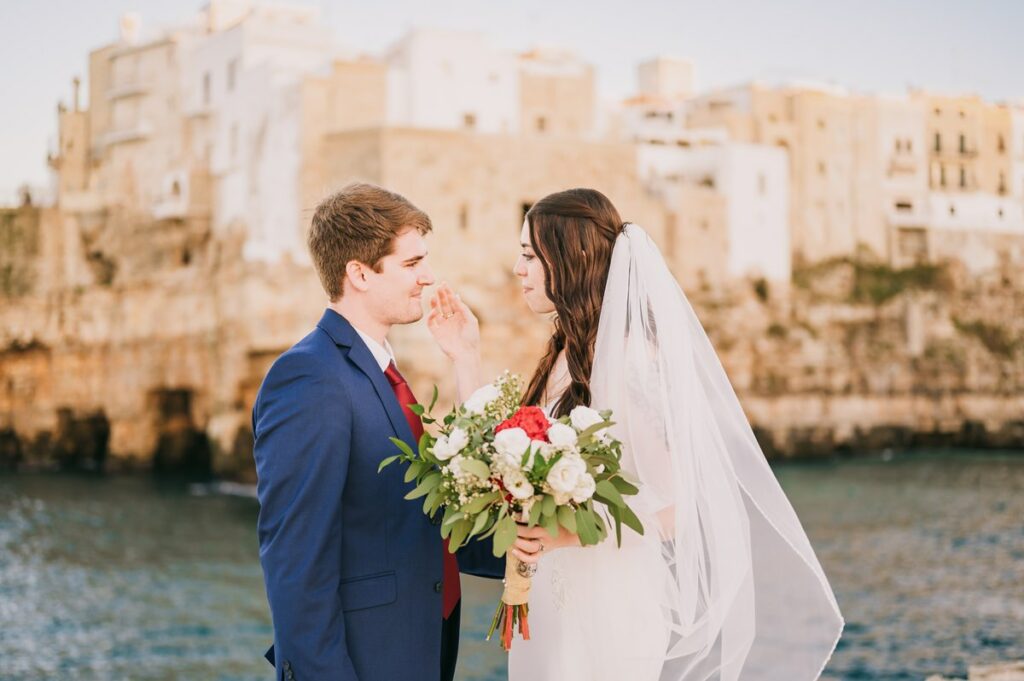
x=341, y=331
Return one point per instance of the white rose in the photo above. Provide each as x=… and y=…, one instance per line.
x=584, y=417
x=442, y=449
x=455, y=467
x=512, y=443
x=585, y=488
x=562, y=498
x=565, y=474
x=479, y=400
x=457, y=440
x=561, y=435
x=517, y=485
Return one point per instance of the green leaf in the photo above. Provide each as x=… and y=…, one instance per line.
x=425, y=443
x=415, y=469
x=616, y=515
x=535, y=511
x=567, y=517
x=480, y=523
x=586, y=527
x=479, y=503
x=417, y=409
x=550, y=523
x=624, y=486
x=549, y=505
x=401, y=444
x=504, y=536
x=630, y=520
x=388, y=461
x=459, y=533
x=454, y=518
x=428, y=483
x=607, y=490
x=477, y=468
x=433, y=399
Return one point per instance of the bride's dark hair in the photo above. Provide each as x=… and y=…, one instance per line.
x=573, y=233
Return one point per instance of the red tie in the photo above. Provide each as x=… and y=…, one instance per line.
x=451, y=589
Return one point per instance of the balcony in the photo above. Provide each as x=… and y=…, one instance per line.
x=128, y=133
x=129, y=89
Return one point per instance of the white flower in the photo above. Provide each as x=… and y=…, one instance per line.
x=585, y=488
x=455, y=467
x=442, y=449
x=517, y=485
x=479, y=400
x=457, y=440
x=565, y=474
x=512, y=442
x=583, y=417
x=561, y=435
x=562, y=498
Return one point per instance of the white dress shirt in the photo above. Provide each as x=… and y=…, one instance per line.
x=382, y=353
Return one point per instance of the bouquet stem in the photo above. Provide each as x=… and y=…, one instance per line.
x=514, y=608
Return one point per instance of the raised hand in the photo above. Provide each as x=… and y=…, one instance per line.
x=453, y=325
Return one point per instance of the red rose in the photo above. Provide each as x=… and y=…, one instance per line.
x=531, y=419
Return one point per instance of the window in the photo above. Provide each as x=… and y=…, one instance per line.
x=542, y=123
x=938, y=142
x=1000, y=211
x=232, y=72
x=942, y=175
x=469, y=121
x=910, y=145
x=463, y=217
x=905, y=206
x=963, y=177
x=821, y=167
x=762, y=184
x=821, y=124
x=1001, y=144
x=952, y=209
x=899, y=145
x=1002, y=182
x=206, y=88
x=963, y=144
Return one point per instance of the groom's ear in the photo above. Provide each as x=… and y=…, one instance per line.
x=355, y=275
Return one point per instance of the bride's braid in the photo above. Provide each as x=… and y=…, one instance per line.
x=573, y=233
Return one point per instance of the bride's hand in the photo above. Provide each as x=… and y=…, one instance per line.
x=453, y=325
x=534, y=541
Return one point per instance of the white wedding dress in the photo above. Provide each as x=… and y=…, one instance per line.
x=724, y=584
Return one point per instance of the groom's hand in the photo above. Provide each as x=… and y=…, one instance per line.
x=532, y=542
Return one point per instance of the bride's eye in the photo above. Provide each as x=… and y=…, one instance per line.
x=527, y=257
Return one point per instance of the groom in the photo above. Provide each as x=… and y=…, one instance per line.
x=359, y=583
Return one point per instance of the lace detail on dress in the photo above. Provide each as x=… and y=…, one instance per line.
x=558, y=588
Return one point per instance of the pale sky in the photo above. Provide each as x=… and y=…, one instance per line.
x=950, y=46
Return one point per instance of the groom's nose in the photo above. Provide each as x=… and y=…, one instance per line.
x=426, y=276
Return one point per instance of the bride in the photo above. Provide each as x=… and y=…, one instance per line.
x=723, y=584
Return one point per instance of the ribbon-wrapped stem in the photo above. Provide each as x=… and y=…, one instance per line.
x=514, y=607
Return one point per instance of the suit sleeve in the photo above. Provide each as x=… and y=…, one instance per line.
x=477, y=558
x=303, y=424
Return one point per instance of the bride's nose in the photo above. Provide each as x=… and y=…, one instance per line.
x=519, y=268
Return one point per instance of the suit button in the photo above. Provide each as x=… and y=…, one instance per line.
x=287, y=666
x=437, y=587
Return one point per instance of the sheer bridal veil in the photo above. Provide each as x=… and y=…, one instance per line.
x=740, y=590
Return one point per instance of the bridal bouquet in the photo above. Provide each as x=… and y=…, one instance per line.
x=495, y=463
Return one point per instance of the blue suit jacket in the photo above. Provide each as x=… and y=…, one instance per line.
x=352, y=570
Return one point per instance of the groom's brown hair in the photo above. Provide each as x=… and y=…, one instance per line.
x=360, y=223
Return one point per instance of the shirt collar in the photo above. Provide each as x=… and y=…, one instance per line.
x=381, y=353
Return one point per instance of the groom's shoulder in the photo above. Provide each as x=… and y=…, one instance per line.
x=313, y=356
